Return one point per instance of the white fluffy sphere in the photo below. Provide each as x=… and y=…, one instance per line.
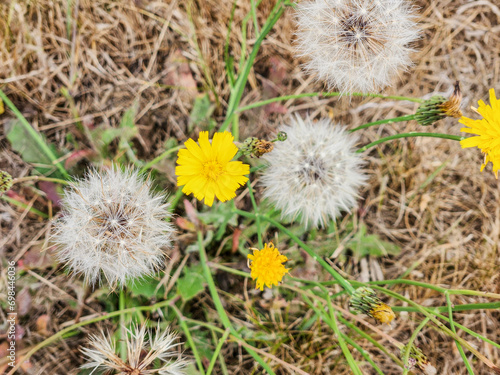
x=113, y=225
x=315, y=173
x=356, y=45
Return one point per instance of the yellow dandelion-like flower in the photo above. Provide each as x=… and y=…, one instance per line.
x=206, y=170
x=266, y=266
x=487, y=130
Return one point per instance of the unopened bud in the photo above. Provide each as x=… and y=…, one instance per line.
x=5, y=182
x=365, y=301
x=438, y=107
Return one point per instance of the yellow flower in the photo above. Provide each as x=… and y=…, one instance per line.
x=207, y=170
x=267, y=266
x=382, y=313
x=488, y=131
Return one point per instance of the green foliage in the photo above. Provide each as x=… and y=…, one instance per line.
x=146, y=287
x=220, y=217
x=363, y=244
x=127, y=131
x=203, y=343
x=201, y=112
x=191, y=283
x=30, y=150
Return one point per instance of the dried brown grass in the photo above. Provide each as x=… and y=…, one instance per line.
x=161, y=54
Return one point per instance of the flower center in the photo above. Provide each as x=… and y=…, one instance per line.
x=212, y=169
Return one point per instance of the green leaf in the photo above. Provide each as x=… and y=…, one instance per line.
x=203, y=343
x=30, y=151
x=201, y=112
x=220, y=216
x=145, y=287
x=191, y=369
x=363, y=244
x=192, y=283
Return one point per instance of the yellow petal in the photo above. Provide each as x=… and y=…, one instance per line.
x=205, y=146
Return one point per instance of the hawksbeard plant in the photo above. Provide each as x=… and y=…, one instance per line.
x=113, y=226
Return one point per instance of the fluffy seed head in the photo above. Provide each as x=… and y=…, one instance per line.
x=315, y=173
x=113, y=224
x=356, y=45
x=144, y=347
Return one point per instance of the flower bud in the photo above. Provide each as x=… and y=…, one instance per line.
x=418, y=359
x=5, y=182
x=438, y=107
x=365, y=301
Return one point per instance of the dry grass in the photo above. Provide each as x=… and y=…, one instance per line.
x=161, y=55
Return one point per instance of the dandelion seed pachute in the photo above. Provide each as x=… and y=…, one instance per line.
x=356, y=45
x=113, y=225
x=315, y=174
x=144, y=347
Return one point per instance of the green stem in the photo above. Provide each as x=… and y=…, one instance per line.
x=363, y=352
x=343, y=282
x=227, y=60
x=174, y=200
x=329, y=321
x=254, y=15
x=371, y=340
x=345, y=350
x=323, y=94
x=410, y=135
x=456, y=308
x=34, y=134
x=218, y=304
x=384, y=121
x=235, y=128
x=189, y=339
x=237, y=92
x=160, y=157
x=123, y=331
x=40, y=178
x=217, y=351
x=24, y=206
x=222, y=362
x=410, y=344
x=257, y=216
x=452, y=326
x=464, y=292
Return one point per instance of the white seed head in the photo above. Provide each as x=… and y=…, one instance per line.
x=315, y=173
x=356, y=45
x=113, y=225
x=157, y=344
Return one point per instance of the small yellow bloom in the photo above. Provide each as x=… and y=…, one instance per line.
x=267, y=266
x=365, y=301
x=487, y=130
x=382, y=313
x=206, y=170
